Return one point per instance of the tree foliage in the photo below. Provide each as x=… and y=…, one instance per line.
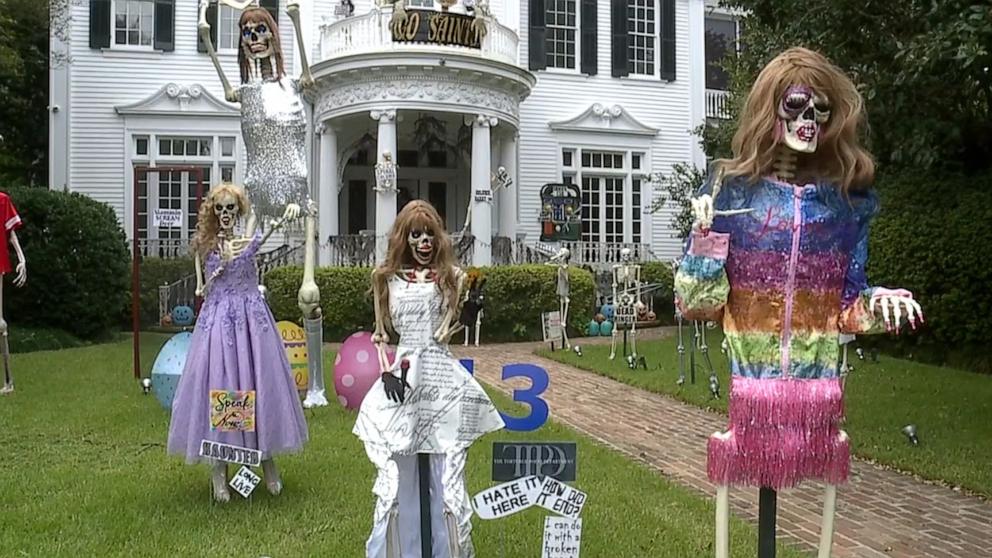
x=923, y=67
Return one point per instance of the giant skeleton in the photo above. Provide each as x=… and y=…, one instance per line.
x=274, y=128
x=626, y=295
x=10, y=223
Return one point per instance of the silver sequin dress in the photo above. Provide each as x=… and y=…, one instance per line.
x=274, y=128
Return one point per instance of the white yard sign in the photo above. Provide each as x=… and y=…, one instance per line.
x=561, y=498
x=230, y=454
x=562, y=537
x=507, y=498
x=167, y=217
x=245, y=481
x=551, y=326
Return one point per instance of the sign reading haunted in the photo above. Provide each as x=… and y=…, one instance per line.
x=561, y=218
x=439, y=28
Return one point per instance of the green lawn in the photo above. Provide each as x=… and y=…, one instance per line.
x=83, y=472
x=951, y=408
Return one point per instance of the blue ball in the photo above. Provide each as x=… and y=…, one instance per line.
x=182, y=316
x=606, y=328
x=168, y=367
x=592, y=329
x=607, y=310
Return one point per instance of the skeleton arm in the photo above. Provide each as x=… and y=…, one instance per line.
x=204, y=27
x=293, y=9
x=198, y=264
x=379, y=337
x=22, y=269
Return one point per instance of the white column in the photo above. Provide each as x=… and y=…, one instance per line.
x=385, y=200
x=508, y=196
x=697, y=77
x=482, y=227
x=327, y=196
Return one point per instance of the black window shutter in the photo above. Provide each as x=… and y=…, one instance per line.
x=537, y=58
x=165, y=25
x=273, y=7
x=618, y=32
x=99, y=23
x=214, y=22
x=587, y=38
x=667, y=41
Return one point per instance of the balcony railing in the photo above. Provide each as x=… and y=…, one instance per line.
x=716, y=104
x=370, y=32
x=167, y=248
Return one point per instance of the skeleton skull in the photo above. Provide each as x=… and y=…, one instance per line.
x=625, y=255
x=227, y=211
x=256, y=40
x=801, y=113
x=422, y=245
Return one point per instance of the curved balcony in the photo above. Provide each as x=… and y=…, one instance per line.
x=370, y=33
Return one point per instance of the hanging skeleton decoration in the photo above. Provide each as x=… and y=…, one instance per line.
x=810, y=208
x=10, y=221
x=563, y=289
x=472, y=309
x=626, y=294
x=274, y=128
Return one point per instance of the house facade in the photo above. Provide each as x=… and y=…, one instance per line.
x=549, y=126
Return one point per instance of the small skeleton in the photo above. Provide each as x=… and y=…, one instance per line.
x=563, y=288
x=12, y=222
x=626, y=278
x=472, y=309
x=499, y=181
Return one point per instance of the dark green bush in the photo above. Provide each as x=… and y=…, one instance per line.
x=77, y=263
x=660, y=273
x=31, y=339
x=928, y=239
x=515, y=298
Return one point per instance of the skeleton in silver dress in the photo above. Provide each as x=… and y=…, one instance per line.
x=274, y=129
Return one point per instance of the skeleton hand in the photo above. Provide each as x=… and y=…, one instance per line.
x=292, y=212
x=702, y=212
x=891, y=302
x=22, y=274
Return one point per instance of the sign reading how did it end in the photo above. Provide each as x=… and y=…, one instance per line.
x=561, y=498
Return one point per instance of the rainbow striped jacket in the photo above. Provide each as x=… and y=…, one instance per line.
x=785, y=279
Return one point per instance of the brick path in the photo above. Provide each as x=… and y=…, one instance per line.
x=880, y=513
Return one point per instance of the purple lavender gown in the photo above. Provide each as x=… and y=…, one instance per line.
x=236, y=346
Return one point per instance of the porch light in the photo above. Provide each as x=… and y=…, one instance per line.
x=385, y=173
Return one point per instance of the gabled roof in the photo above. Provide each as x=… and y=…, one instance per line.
x=600, y=118
x=185, y=100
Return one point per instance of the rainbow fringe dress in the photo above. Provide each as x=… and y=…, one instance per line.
x=785, y=280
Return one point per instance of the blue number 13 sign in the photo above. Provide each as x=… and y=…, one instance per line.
x=530, y=396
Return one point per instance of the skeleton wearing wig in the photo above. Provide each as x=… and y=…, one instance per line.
x=274, y=128
x=778, y=255
x=425, y=401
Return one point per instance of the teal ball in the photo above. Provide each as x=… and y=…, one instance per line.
x=606, y=328
x=592, y=329
x=182, y=316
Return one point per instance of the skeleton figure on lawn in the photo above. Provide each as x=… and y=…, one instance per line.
x=626, y=299
x=777, y=255
x=274, y=128
x=426, y=410
x=10, y=221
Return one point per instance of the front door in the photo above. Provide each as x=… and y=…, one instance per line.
x=433, y=191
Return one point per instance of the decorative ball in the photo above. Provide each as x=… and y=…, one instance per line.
x=607, y=310
x=606, y=328
x=168, y=367
x=294, y=340
x=599, y=318
x=182, y=315
x=592, y=329
x=652, y=316
x=356, y=368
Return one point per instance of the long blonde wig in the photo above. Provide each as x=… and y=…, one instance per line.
x=418, y=215
x=839, y=158
x=207, y=224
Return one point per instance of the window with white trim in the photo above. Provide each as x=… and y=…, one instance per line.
x=611, y=192
x=562, y=25
x=722, y=37
x=229, y=34
x=642, y=32
x=134, y=22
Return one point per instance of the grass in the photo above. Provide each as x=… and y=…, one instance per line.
x=950, y=407
x=22, y=339
x=84, y=473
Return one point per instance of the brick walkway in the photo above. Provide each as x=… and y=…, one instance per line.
x=879, y=513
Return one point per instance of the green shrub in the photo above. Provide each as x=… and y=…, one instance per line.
x=660, y=273
x=77, y=263
x=31, y=339
x=515, y=298
x=927, y=239
x=153, y=273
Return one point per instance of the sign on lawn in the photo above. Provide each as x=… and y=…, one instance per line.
x=562, y=537
x=560, y=498
x=624, y=315
x=551, y=326
x=513, y=460
x=245, y=481
x=230, y=454
x=507, y=499
x=232, y=411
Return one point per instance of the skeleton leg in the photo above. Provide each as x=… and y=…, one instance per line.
x=564, y=321
x=681, y=349
x=309, y=302
x=633, y=338
x=613, y=343
x=829, y=509
x=218, y=478
x=272, y=480
x=478, y=327
x=8, y=379
x=722, y=545
x=465, y=344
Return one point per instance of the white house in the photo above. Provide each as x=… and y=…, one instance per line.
x=598, y=97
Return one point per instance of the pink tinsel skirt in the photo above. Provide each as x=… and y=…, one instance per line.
x=782, y=432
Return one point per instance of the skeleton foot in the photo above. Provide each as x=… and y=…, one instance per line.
x=219, y=480
x=272, y=481
x=314, y=329
x=7, y=388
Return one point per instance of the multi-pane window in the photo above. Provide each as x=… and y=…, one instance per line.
x=184, y=147
x=228, y=33
x=561, y=31
x=591, y=190
x=635, y=210
x=134, y=22
x=612, y=192
x=641, y=36
x=721, y=40
x=613, y=207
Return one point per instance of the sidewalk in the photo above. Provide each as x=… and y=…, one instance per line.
x=880, y=513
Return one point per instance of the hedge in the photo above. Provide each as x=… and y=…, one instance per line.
x=515, y=297
x=660, y=273
x=929, y=238
x=77, y=264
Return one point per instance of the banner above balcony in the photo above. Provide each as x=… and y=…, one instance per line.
x=438, y=28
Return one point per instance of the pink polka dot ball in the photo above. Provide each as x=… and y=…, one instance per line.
x=356, y=368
